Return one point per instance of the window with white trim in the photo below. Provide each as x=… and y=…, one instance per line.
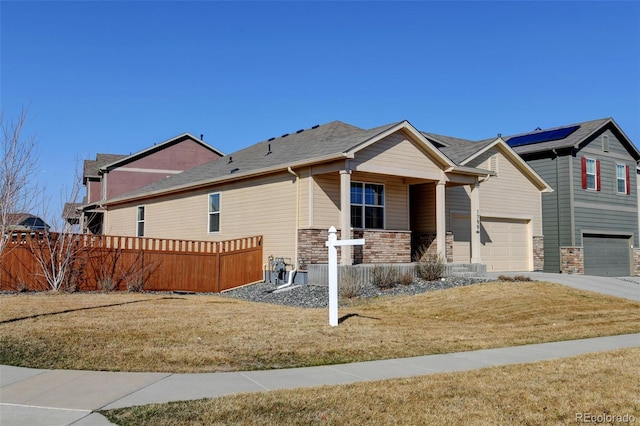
x=591, y=174
x=367, y=205
x=140, y=222
x=621, y=179
x=214, y=212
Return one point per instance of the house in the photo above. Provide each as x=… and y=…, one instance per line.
x=25, y=222
x=111, y=175
x=394, y=186
x=590, y=221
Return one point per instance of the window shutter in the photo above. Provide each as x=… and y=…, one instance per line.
x=628, y=181
x=597, y=175
x=584, y=173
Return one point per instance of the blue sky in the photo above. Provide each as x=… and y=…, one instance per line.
x=119, y=76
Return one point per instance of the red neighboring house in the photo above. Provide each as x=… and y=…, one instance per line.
x=111, y=175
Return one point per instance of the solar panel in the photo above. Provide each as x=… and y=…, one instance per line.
x=546, y=136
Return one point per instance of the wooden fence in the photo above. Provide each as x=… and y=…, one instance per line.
x=107, y=262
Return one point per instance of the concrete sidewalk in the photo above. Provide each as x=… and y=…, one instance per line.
x=68, y=397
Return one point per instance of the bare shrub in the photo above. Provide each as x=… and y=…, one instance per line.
x=506, y=278
x=405, y=278
x=522, y=278
x=384, y=277
x=350, y=283
x=107, y=284
x=429, y=266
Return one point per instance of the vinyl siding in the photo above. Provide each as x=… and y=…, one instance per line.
x=263, y=206
x=510, y=194
x=423, y=208
x=326, y=199
x=590, y=207
x=399, y=154
x=551, y=202
x=396, y=209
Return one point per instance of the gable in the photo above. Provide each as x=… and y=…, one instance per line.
x=398, y=155
x=509, y=154
x=508, y=183
x=179, y=156
x=609, y=144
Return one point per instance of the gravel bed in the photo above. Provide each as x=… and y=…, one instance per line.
x=317, y=296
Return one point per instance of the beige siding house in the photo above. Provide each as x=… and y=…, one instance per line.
x=394, y=186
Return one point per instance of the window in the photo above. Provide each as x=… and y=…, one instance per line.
x=140, y=222
x=590, y=174
x=367, y=205
x=214, y=212
x=622, y=179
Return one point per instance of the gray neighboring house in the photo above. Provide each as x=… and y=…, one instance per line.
x=590, y=221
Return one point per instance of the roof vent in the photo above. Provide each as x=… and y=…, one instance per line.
x=285, y=135
x=538, y=129
x=316, y=126
x=230, y=160
x=499, y=135
x=234, y=170
x=201, y=136
x=268, y=149
x=270, y=139
x=300, y=131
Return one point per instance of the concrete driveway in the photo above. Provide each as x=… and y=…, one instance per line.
x=624, y=287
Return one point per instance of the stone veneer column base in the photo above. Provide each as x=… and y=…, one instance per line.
x=571, y=260
x=382, y=246
x=428, y=241
x=538, y=253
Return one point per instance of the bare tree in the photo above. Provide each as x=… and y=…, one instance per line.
x=58, y=249
x=17, y=172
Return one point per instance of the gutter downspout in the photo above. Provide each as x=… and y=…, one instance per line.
x=295, y=242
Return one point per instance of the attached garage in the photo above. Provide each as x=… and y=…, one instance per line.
x=505, y=243
x=607, y=255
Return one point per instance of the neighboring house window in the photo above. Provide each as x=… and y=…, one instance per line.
x=214, y=212
x=367, y=205
x=140, y=222
x=590, y=174
x=622, y=179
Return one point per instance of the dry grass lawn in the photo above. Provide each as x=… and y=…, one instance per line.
x=145, y=332
x=542, y=393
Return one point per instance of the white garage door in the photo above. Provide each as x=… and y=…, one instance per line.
x=505, y=243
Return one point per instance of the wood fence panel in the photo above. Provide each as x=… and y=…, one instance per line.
x=240, y=268
x=105, y=262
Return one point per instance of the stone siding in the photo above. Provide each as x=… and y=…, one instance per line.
x=636, y=262
x=571, y=260
x=428, y=240
x=538, y=253
x=382, y=246
x=312, y=248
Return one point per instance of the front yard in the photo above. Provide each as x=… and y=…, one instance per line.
x=198, y=333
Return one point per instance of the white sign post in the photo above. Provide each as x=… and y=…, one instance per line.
x=332, y=243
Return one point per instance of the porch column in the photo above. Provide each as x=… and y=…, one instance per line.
x=345, y=215
x=441, y=227
x=475, y=223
